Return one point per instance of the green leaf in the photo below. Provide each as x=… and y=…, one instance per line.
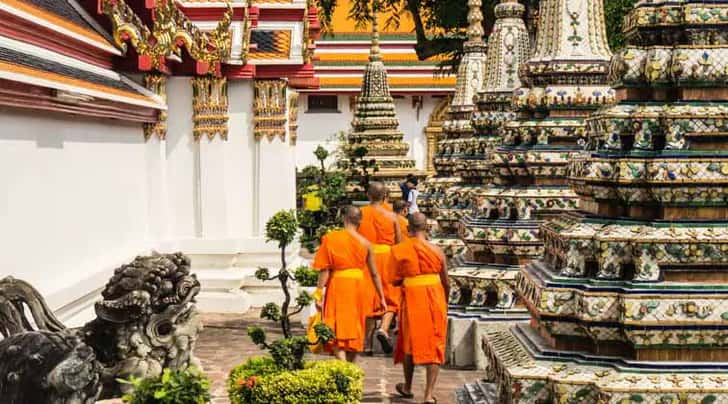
x=166, y=375
x=159, y=394
x=709, y=399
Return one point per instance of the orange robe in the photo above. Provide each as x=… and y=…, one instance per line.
x=379, y=230
x=403, y=226
x=423, y=315
x=344, y=309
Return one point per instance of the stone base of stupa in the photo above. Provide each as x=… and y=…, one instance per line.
x=524, y=369
x=481, y=295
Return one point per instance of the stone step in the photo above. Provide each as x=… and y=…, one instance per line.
x=215, y=278
x=480, y=392
x=464, y=335
x=230, y=301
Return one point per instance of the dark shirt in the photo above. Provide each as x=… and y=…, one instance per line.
x=405, y=190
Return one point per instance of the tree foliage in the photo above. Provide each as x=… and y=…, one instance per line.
x=330, y=186
x=447, y=19
x=614, y=12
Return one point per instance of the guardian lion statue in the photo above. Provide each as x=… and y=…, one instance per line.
x=146, y=321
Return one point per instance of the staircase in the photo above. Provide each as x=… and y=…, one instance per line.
x=480, y=392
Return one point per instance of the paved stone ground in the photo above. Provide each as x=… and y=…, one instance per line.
x=224, y=344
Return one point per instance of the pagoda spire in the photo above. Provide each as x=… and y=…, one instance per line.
x=484, y=263
x=475, y=22
x=375, y=52
x=458, y=135
x=375, y=126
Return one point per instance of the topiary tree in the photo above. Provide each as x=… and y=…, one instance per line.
x=287, y=352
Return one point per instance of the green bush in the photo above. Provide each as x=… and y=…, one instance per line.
x=172, y=387
x=306, y=277
x=259, y=380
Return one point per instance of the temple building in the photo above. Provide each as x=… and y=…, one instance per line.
x=131, y=127
x=340, y=60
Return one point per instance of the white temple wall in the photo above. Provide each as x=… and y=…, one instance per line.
x=79, y=197
x=180, y=154
x=74, y=200
x=319, y=128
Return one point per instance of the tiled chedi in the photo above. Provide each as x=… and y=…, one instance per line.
x=629, y=301
x=448, y=191
x=375, y=125
x=483, y=278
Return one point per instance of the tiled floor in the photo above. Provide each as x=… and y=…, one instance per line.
x=224, y=344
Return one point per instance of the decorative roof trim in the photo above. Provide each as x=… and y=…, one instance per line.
x=21, y=95
x=44, y=53
x=27, y=75
x=43, y=18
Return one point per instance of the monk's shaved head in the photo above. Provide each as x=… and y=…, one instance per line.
x=376, y=191
x=399, y=206
x=418, y=222
x=352, y=215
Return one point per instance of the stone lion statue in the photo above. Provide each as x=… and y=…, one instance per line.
x=146, y=321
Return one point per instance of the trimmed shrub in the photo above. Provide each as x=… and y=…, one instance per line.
x=259, y=380
x=306, y=277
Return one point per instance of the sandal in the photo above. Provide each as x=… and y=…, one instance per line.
x=400, y=390
x=433, y=401
x=384, y=340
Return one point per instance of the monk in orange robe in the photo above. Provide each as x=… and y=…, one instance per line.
x=380, y=227
x=422, y=271
x=400, y=208
x=342, y=259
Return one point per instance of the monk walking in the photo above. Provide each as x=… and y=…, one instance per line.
x=341, y=260
x=422, y=271
x=400, y=209
x=380, y=228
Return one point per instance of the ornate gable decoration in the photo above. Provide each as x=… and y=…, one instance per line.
x=171, y=30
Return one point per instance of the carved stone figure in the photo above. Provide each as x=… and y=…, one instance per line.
x=145, y=322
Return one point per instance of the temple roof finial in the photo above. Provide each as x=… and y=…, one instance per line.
x=374, y=55
x=475, y=20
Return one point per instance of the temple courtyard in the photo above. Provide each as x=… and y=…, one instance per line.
x=169, y=169
x=224, y=343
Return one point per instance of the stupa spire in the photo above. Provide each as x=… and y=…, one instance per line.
x=375, y=126
x=375, y=53
x=475, y=21
x=458, y=140
x=482, y=264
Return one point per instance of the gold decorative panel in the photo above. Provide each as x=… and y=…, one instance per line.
x=210, y=107
x=293, y=116
x=270, y=109
x=157, y=83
